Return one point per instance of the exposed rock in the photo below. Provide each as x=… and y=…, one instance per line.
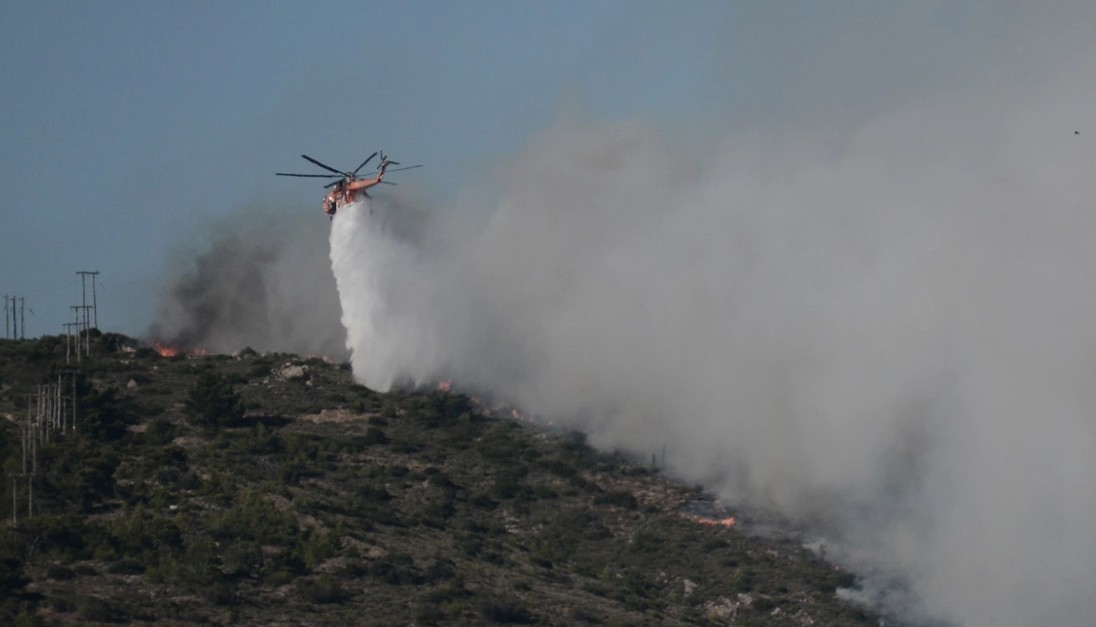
x=722, y=609
x=333, y=416
x=292, y=372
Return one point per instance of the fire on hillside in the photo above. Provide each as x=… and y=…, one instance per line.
x=173, y=350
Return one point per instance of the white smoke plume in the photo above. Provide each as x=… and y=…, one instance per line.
x=889, y=336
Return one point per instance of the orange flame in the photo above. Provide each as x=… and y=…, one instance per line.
x=715, y=522
x=167, y=350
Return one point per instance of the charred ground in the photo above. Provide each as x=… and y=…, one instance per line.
x=272, y=489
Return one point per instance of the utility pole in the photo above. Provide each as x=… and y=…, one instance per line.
x=60, y=398
x=76, y=324
x=84, y=300
x=15, y=319
x=82, y=325
x=73, y=401
x=30, y=440
x=68, y=340
x=94, y=300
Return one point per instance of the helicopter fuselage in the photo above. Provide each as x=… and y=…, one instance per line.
x=346, y=192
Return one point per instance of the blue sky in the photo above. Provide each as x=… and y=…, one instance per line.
x=126, y=125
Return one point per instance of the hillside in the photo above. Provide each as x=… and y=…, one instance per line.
x=272, y=489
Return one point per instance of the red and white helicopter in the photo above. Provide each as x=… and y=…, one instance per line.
x=346, y=190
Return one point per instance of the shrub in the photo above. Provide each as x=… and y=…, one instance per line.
x=505, y=612
x=11, y=575
x=126, y=566
x=242, y=559
x=617, y=499
x=322, y=589
x=213, y=403
x=97, y=610
x=255, y=518
x=375, y=435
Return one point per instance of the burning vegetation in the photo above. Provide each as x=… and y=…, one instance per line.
x=715, y=522
x=175, y=350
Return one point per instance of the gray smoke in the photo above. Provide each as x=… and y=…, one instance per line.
x=262, y=280
x=888, y=336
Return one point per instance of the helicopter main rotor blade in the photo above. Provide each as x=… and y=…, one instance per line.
x=326, y=167
x=388, y=182
x=406, y=167
x=311, y=176
x=367, y=160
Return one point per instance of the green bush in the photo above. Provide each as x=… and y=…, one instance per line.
x=618, y=498
x=323, y=589
x=506, y=612
x=97, y=610
x=11, y=575
x=60, y=573
x=126, y=566
x=375, y=435
x=242, y=559
x=104, y=414
x=213, y=403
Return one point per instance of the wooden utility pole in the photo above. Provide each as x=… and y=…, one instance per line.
x=68, y=340
x=46, y=420
x=76, y=324
x=30, y=441
x=94, y=300
x=84, y=274
x=59, y=375
x=15, y=319
x=74, y=401
x=82, y=323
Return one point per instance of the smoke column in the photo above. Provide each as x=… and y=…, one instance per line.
x=888, y=336
x=260, y=283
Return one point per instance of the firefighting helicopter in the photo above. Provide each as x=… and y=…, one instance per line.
x=346, y=190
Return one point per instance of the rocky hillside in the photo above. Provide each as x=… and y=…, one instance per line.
x=272, y=489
